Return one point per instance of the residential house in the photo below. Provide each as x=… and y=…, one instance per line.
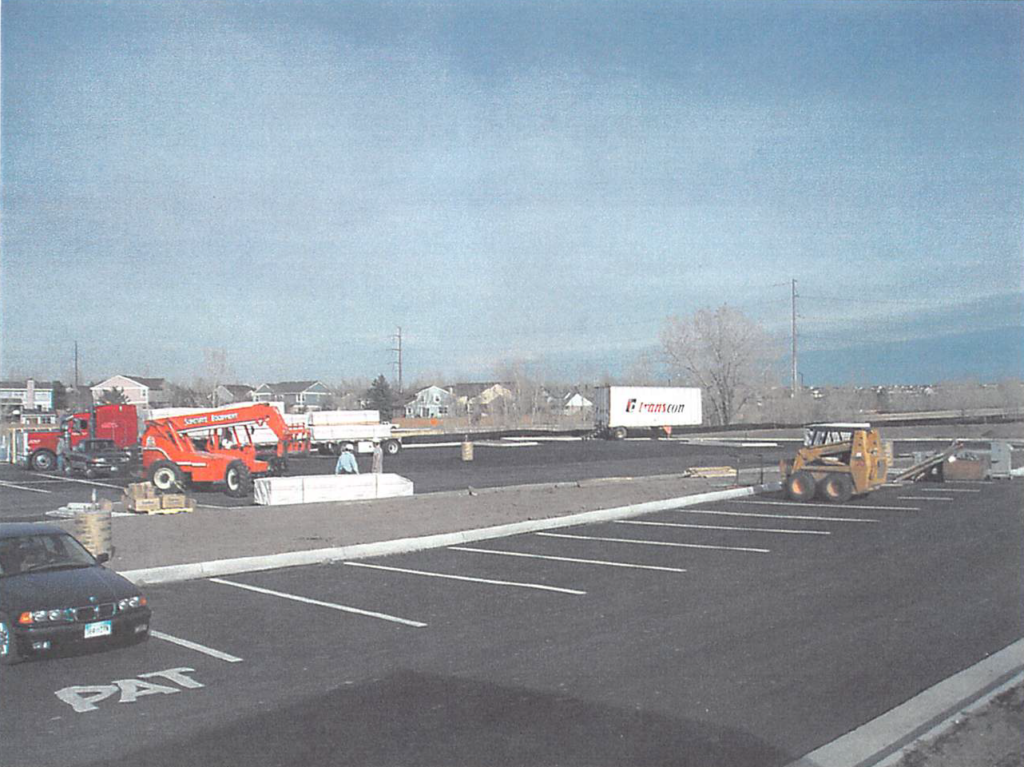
x=482, y=398
x=297, y=396
x=139, y=391
x=576, y=404
x=432, y=402
x=26, y=395
x=225, y=394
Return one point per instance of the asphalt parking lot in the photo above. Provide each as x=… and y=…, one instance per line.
x=743, y=632
x=29, y=495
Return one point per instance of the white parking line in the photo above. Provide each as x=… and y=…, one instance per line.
x=22, y=487
x=318, y=603
x=90, y=482
x=929, y=498
x=194, y=646
x=798, y=504
x=568, y=559
x=654, y=543
x=52, y=480
x=945, y=490
x=770, y=516
x=723, y=527
x=448, y=576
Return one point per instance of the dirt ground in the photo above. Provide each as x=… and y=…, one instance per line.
x=993, y=736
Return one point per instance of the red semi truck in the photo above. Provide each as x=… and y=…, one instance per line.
x=37, y=449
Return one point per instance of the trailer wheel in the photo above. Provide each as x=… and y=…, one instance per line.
x=800, y=486
x=392, y=446
x=618, y=433
x=165, y=475
x=836, y=488
x=237, y=480
x=43, y=460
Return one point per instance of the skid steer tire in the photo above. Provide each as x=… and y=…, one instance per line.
x=237, y=480
x=800, y=486
x=165, y=475
x=836, y=488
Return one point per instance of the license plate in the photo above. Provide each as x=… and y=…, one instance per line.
x=100, y=629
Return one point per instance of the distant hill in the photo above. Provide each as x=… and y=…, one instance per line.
x=984, y=355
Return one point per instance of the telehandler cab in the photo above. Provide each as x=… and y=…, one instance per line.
x=837, y=461
x=217, y=446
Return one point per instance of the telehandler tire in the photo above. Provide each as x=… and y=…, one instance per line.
x=836, y=488
x=800, y=486
x=165, y=475
x=237, y=480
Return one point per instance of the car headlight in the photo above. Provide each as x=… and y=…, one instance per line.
x=131, y=603
x=46, y=616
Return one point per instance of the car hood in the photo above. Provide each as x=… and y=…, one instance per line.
x=62, y=588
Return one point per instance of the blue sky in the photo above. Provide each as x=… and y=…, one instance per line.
x=542, y=182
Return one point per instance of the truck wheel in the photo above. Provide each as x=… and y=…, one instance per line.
x=43, y=460
x=619, y=432
x=165, y=475
x=836, y=488
x=392, y=446
x=800, y=486
x=8, y=644
x=237, y=480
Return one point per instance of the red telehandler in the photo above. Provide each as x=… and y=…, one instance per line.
x=217, y=446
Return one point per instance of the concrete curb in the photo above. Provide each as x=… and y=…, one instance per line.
x=235, y=566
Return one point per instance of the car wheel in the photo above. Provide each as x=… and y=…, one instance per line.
x=836, y=488
x=237, y=480
x=8, y=645
x=90, y=473
x=43, y=460
x=392, y=446
x=619, y=433
x=800, y=486
x=165, y=475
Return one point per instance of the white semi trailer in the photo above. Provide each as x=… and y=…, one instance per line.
x=329, y=430
x=648, y=410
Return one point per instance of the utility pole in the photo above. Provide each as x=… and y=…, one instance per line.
x=796, y=377
x=76, y=377
x=398, y=351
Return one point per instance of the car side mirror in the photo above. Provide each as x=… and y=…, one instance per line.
x=103, y=557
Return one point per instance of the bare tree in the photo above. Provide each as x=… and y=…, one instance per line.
x=724, y=352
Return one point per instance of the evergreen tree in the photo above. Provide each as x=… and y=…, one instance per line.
x=380, y=396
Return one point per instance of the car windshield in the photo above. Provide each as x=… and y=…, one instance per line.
x=43, y=551
x=100, y=444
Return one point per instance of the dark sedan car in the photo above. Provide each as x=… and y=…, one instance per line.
x=95, y=457
x=54, y=594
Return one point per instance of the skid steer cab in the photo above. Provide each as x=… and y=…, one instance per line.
x=837, y=462
x=217, y=447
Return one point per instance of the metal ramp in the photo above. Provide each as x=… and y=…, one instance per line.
x=922, y=468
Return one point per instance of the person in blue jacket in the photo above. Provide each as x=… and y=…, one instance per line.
x=346, y=462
